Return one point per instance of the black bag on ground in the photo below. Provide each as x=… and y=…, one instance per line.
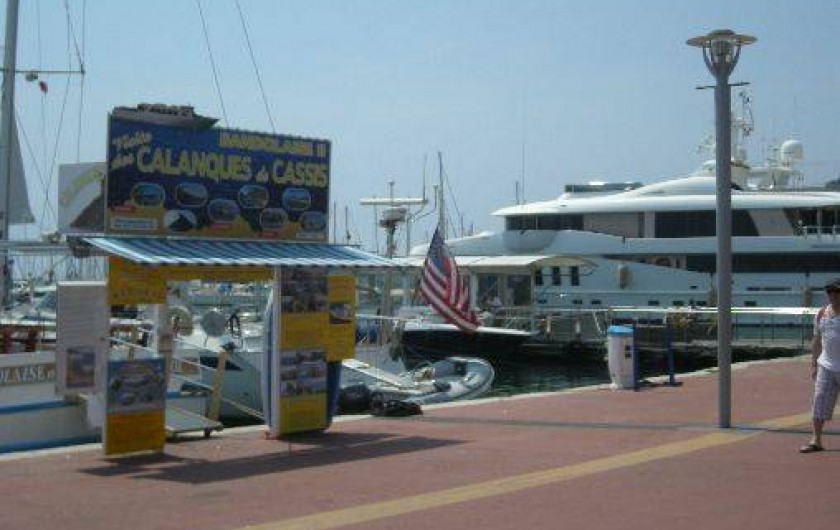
x=379, y=406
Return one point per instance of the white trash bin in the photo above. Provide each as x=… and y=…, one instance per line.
x=620, y=356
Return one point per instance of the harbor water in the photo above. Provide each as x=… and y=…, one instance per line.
x=522, y=372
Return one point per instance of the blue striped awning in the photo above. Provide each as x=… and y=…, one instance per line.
x=160, y=251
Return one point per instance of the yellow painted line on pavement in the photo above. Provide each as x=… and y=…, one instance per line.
x=493, y=488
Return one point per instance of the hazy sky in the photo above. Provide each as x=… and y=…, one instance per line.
x=569, y=91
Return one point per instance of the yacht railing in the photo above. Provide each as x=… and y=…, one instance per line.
x=820, y=230
x=789, y=328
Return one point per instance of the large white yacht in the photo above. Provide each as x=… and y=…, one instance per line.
x=655, y=245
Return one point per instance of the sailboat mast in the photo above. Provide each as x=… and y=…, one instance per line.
x=441, y=205
x=7, y=112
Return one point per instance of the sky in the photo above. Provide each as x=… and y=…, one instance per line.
x=541, y=92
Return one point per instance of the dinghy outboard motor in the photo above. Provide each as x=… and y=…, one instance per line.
x=354, y=398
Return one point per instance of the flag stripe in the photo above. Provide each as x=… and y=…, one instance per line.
x=444, y=288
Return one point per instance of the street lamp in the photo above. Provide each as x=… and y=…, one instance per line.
x=721, y=49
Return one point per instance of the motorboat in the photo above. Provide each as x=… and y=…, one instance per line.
x=654, y=245
x=424, y=334
x=373, y=370
x=365, y=387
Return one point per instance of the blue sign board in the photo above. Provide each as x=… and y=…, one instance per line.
x=215, y=183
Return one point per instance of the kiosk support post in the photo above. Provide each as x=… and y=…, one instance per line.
x=218, y=384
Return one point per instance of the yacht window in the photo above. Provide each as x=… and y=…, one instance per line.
x=595, y=302
x=750, y=303
x=743, y=224
x=677, y=303
x=575, y=274
x=538, y=277
x=685, y=224
x=701, y=224
x=556, y=278
x=653, y=302
x=559, y=222
x=521, y=222
x=519, y=290
x=544, y=222
x=489, y=288
x=577, y=302
x=626, y=224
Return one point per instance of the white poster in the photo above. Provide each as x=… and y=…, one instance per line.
x=81, y=337
x=81, y=200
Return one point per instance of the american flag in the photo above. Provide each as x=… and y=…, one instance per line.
x=444, y=289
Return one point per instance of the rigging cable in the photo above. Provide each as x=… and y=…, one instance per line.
x=256, y=68
x=49, y=170
x=455, y=204
x=212, y=62
x=80, y=57
x=40, y=65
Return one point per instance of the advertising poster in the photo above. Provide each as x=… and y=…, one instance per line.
x=304, y=308
x=298, y=381
x=132, y=284
x=82, y=327
x=81, y=198
x=135, y=400
x=81, y=368
x=303, y=390
x=340, y=339
x=215, y=183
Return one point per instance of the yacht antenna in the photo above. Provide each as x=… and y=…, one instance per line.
x=524, y=139
x=742, y=127
x=347, y=236
x=396, y=211
x=335, y=222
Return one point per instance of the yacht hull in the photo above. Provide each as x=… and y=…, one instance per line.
x=436, y=341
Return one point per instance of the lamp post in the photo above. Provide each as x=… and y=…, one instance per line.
x=721, y=49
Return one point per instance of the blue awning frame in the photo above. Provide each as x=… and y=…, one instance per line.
x=237, y=253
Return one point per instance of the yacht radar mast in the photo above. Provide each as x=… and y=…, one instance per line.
x=397, y=212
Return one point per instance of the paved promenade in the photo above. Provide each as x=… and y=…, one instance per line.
x=589, y=459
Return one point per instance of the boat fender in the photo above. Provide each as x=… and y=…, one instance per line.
x=442, y=386
x=180, y=319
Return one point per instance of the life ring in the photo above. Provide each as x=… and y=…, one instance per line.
x=180, y=320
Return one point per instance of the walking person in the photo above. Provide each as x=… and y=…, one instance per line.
x=825, y=364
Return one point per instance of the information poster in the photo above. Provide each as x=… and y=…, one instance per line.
x=303, y=307
x=303, y=390
x=135, y=401
x=300, y=356
x=340, y=337
x=81, y=337
x=132, y=284
x=81, y=369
